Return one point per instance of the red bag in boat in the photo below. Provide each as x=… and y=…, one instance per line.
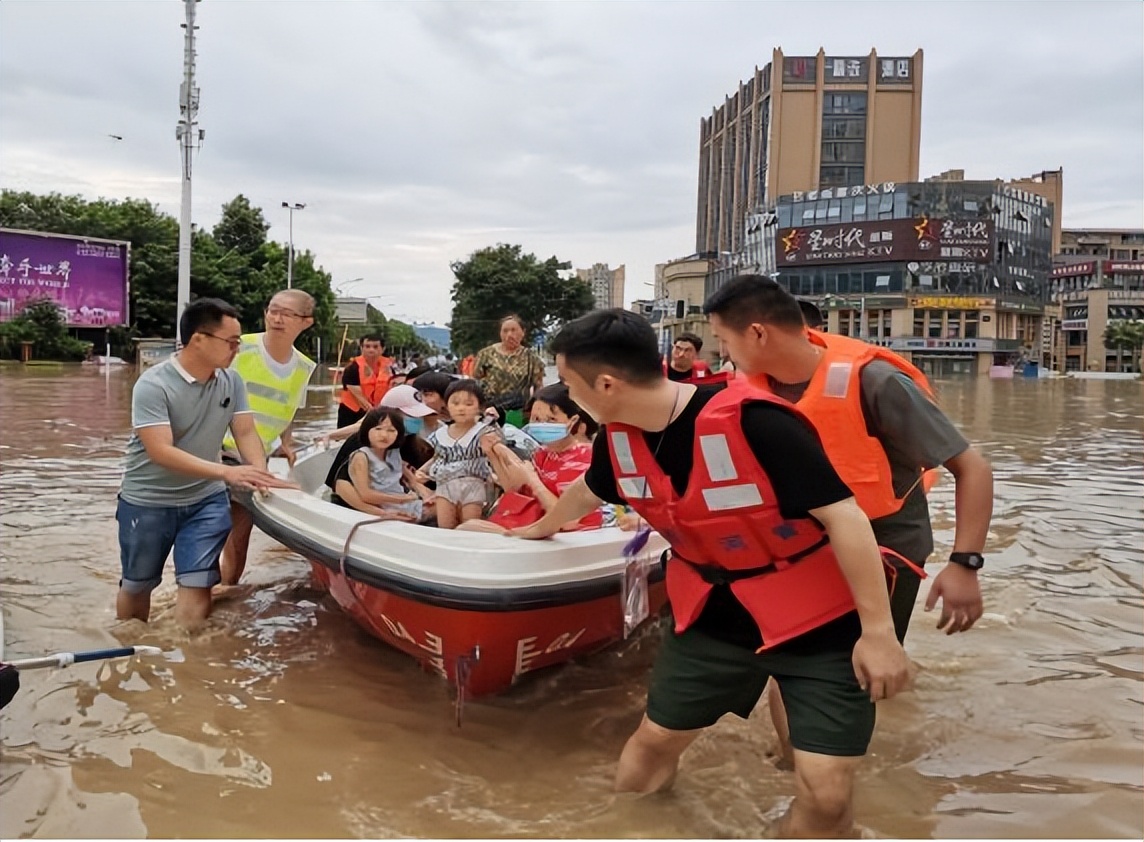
x=514, y=510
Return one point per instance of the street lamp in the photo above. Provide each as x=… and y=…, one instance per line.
x=339, y=287
x=291, y=207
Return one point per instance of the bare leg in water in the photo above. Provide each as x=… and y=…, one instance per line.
x=784, y=754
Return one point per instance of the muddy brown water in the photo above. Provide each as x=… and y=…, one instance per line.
x=283, y=719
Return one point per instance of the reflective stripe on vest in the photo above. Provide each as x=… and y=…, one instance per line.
x=273, y=399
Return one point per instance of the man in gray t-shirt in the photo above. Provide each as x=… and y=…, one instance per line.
x=173, y=493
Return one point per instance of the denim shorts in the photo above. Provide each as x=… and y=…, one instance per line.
x=196, y=532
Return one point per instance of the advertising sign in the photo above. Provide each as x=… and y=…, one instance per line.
x=351, y=311
x=1070, y=270
x=886, y=240
x=85, y=277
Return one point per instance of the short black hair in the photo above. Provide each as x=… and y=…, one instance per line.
x=372, y=337
x=746, y=299
x=613, y=340
x=465, y=385
x=375, y=416
x=432, y=381
x=556, y=394
x=203, y=313
x=692, y=338
x=811, y=314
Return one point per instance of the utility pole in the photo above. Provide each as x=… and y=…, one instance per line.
x=291, y=207
x=190, y=137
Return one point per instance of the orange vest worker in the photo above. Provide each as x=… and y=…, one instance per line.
x=374, y=383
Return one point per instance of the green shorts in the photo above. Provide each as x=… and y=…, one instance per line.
x=697, y=679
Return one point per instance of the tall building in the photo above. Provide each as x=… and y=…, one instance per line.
x=607, y=284
x=806, y=123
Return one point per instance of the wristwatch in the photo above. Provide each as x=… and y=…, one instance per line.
x=974, y=561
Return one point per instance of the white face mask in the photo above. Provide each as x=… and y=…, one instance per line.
x=546, y=432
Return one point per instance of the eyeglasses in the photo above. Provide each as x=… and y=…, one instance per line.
x=234, y=344
x=284, y=313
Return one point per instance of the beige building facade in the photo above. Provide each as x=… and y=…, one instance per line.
x=1093, y=293
x=680, y=287
x=607, y=284
x=806, y=123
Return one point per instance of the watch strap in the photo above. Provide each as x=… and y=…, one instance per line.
x=973, y=561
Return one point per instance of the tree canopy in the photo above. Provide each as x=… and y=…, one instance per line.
x=234, y=261
x=501, y=280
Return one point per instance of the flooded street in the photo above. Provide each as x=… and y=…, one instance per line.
x=284, y=720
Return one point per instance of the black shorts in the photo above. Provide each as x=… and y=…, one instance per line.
x=697, y=679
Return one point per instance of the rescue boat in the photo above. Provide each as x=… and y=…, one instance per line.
x=480, y=610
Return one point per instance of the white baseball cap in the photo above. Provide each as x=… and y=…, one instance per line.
x=407, y=399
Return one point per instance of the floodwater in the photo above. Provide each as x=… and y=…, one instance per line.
x=284, y=720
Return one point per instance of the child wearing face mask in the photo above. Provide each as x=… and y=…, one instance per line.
x=459, y=465
x=531, y=488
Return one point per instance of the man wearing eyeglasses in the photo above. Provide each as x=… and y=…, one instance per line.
x=174, y=489
x=275, y=374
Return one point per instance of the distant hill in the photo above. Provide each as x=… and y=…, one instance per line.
x=435, y=335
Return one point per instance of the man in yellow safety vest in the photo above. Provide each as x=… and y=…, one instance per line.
x=276, y=374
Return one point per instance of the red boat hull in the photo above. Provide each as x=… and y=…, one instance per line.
x=482, y=651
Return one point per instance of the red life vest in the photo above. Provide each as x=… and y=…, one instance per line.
x=374, y=383
x=727, y=527
x=833, y=403
x=701, y=374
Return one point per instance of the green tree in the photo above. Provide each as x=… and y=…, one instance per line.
x=1125, y=335
x=42, y=324
x=234, y=261
x=500, y=280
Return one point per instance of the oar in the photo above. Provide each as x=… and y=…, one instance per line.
x=66, y=659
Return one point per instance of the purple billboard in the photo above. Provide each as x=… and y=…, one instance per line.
x=85, y=277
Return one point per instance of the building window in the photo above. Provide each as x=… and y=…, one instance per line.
x=933, y=328
x=844, y=103
x=919, y=323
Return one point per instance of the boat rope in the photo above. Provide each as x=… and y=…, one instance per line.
x=463, y=670
x=346, y=552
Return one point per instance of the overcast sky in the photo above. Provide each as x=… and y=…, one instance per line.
x=419, y=132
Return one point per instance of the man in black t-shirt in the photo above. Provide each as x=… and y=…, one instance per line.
x=831, y=675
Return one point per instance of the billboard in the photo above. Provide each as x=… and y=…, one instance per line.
x=351, y=311
x=85, y=276
x=886, y=241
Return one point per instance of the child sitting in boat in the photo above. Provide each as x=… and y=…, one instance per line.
x=379, y=483
x=532, y=487
x=459, y=467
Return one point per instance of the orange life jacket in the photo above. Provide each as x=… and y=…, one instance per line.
x=833, y=403
x=727, y=527
x=374, y=383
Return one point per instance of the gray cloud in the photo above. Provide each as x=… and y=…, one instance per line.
x=419, y=132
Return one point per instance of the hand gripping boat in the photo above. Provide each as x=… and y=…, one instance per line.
x=477, y=609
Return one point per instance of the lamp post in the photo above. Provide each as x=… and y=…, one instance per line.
x=291, y=207
x=339, y=287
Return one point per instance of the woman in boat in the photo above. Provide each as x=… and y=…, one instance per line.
x=375, y=479
x=533, y=486
x=509, y=372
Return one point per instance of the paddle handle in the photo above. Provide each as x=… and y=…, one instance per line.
x=66, y=659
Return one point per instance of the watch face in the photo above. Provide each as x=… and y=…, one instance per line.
x=974, y=561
